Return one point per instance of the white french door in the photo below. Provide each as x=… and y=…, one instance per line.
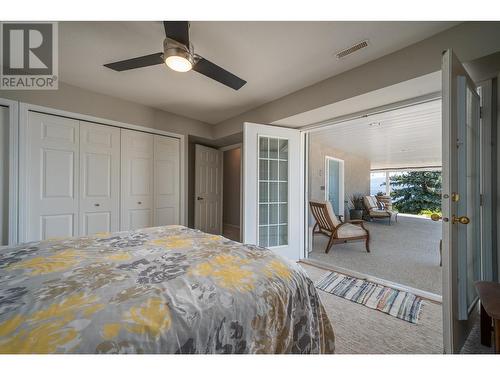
x=460, y=201
x=273, y=196
x=208, y=189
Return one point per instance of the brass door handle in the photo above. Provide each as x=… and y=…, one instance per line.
x=460, y=219
x=437, y=217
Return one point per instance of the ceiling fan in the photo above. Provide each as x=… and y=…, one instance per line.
x=178, y=54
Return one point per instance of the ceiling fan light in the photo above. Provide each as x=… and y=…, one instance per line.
x=178, y=60
x=178, y=63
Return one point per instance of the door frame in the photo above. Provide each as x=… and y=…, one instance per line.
x=227, y=148
x=13, y=107
x=341, y=181
x=19, y=157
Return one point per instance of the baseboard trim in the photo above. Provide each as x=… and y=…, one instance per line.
x=231, y=226
x=432, y=297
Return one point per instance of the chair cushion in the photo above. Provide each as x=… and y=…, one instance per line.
x=380, y=213
x=350, y=230
x=329, y=212
x=370, y=202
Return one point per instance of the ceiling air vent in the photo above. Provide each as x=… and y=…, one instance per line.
x=352, y=49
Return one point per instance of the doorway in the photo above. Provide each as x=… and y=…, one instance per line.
x=217, y=191
x=334, y=183
x=231, y=198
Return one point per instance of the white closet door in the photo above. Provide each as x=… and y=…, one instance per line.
x=137, y=154
x=167, y=179
x=99, y=178
x=52, y=177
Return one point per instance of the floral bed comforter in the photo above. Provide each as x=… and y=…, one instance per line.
x=156, y=290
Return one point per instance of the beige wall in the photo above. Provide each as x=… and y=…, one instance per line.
x=469, y=40
x=231, y=187
x=81, y=101
x=356, y=171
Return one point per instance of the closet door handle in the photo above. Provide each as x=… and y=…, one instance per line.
x=139, y=202
x=96, y=204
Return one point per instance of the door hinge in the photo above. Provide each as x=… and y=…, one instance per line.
x=481, y=199
x=481, y=112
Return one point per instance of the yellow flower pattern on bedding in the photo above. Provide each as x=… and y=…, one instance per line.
x=152, y=318
x=228, y=272
x=173, y=242
x=46, y=330
x=156, y=290
x=54, y=263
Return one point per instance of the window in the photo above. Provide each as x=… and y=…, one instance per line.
x=273, y=192
x=377, y=180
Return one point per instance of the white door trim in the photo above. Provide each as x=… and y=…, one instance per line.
x=341, y=182
x=13, y=107
x=18, y=198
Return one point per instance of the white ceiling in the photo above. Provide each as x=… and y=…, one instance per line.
x=408, y=90
x=276, y=58
x=406, y=137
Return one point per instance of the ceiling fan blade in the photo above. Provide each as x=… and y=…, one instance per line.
x=137, y=62
x=219, y=74
x=178, y=31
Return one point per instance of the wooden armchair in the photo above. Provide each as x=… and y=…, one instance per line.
x=329, y=225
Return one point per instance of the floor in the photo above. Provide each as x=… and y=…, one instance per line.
x=361, y=330
x=406, y=252
x=473, y=343
x=232, y=232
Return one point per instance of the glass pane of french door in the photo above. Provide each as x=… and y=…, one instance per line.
x=273, y=191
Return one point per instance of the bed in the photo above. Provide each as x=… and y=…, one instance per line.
x=157, y=290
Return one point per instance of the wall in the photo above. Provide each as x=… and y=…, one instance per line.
x=4, y=175
x=74, y=99
x=231, y=187
x=469, y=40
x=356, y=171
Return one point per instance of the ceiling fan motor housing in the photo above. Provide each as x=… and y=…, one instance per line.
x=174, y=48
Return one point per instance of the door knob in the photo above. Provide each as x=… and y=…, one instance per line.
x=437, y=217
x=139, y=202
x=460, y=219
x=199, y=198
x=96, y=204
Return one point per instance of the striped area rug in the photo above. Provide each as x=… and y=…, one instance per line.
x=402, y=305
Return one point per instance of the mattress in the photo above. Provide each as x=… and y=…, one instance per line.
x=157, y=290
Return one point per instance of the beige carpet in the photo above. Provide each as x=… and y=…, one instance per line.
x=406, y=252
x=360, y=330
